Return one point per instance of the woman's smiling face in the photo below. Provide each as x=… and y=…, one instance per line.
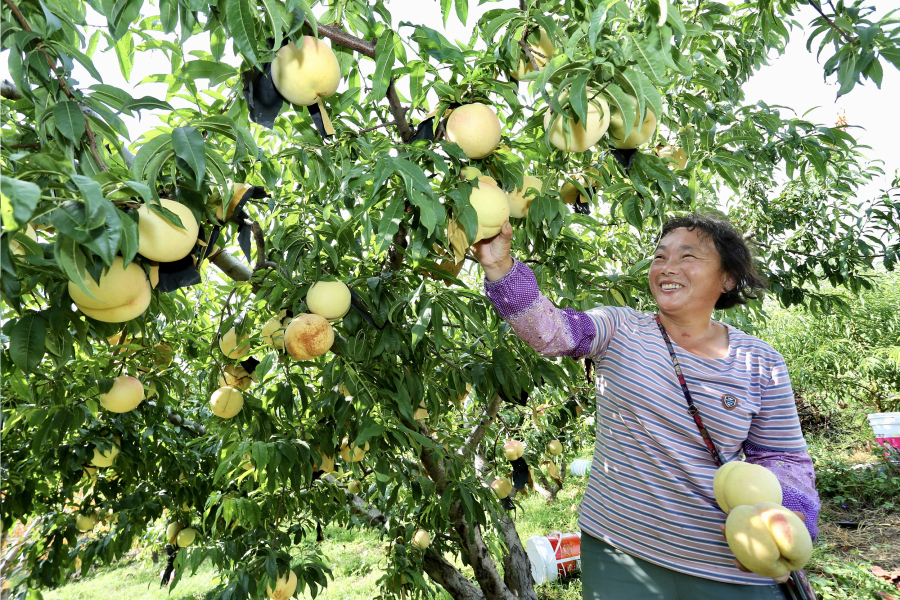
x=686, y=274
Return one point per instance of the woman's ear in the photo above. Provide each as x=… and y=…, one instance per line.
x=729, y=284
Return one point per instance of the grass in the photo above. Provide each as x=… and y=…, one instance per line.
x=134, y=579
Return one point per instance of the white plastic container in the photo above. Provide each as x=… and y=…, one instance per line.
x=886, y=427
x=580, y=467
x=557, y=555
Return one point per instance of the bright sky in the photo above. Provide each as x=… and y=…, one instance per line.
x=794, y=80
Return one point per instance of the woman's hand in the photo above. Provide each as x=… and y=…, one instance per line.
x=493, y=253
x=741, y=567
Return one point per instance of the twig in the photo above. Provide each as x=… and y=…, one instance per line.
x=368, y=129
x=600, y=91
x=440, y=356
x=818, y=8
x=260, y=245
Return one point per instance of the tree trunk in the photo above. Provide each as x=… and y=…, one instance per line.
x=516, y=566
x=482, y=563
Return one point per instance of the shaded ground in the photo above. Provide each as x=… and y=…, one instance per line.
x=876, y=541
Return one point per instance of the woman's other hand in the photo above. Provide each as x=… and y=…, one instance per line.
x=493, y=253
x=741, y=567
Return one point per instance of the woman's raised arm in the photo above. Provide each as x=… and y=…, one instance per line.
x=512, y=289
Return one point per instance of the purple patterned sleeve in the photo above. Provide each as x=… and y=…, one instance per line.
x=798, y=480
x=549, y=330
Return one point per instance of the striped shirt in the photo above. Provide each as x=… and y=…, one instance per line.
x=650, y=487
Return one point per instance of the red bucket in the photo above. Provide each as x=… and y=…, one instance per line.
x=553, y=557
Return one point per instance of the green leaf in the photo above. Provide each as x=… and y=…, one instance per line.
x=421, y=325
x=578, y=96
x=72, y=261
x=598, y=19
x=462, y=10
x=494, y=25
x=623, y=102
x=370, y=431
x=673, y=18
x=149, y=102
x=120, y=14
x=26, y=342
x=53, y=22
x=242, y=28
x=445, y=10
x=413, y=175
x=85, y=61
x=643, y=90
x=189, y=146
x=416, y=78
x=147, y=152
x=649, y=58
x=310, y=17
x=125, y=55
x=390, y=223
x=128, y=244
x=93, y=201
x=105, y=239
x=632, y=210
x=428, y=208
x=384, y=63
x=277, y=15
x=69, y=120
x=24, y=197
x=168, y=15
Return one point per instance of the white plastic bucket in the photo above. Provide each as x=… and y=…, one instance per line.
x=886, y=427
x=580, y=467
x=554, y=556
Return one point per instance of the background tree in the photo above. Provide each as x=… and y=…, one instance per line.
x=369, y=204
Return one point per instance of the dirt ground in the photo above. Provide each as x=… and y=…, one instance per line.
x=876, y=540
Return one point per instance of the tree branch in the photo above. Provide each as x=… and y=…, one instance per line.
x=347, y=40
x=481, y=430
x=449, y=577
x=231, y=266
x=431, y=461
x=398, y=111
x=367, y=48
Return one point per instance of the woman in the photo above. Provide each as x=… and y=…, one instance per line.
x=652, y=528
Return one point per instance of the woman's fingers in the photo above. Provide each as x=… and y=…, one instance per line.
x=741, y=567
x=495, y=250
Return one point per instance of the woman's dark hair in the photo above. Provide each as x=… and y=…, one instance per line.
x=736, y=257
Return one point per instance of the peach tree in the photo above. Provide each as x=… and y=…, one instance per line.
x=361, y=186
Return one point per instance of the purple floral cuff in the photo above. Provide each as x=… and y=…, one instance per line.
x=549, y=330
x=795, y=472
x=513, y=293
